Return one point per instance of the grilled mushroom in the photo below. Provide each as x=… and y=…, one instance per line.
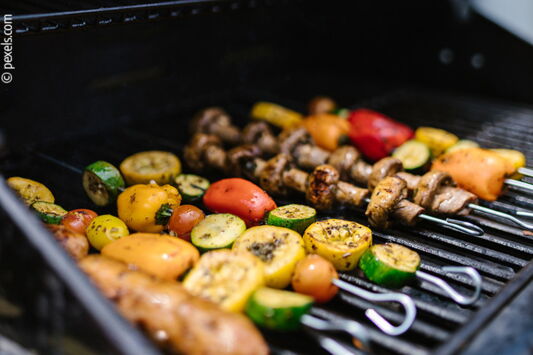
x=321, y=104
x=260, y=134
x=216, y=121
x=205, y=151
x=271, y=176
x=385, y=167
x=240, y=160
x=321, y=188
x=452, y=200
x=385, y=197
x=428, y=186
x=291, y=138
x=342, y=159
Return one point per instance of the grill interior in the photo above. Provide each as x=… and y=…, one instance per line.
x=499, y=255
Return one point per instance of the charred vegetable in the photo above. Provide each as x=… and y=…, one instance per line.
x=143, y=167
x=413, y=154
x=30, y=191
x=276, y=114
x=227, y=278
x=191, y=187
x=295, y=217
x=278, y=248
x=78, y=220
x=277, y=309
x=102, y=182
x=217, y=231
x=327, y=130
x=341, y=242
x=48, y=212
x=389, y=264
x=438, y=140
x=105, y=229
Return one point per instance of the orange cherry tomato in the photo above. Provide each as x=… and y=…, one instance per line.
x=183, y=219
x=78, y=220
x=312, y=276
x=240, y=197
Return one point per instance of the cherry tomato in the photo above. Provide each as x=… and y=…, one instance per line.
x=78, y=220
x=183, y=219
x=240, y=197
x=312, y=276
x=105, y=229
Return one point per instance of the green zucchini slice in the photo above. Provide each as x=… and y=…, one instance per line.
x=389, y=264
x=191, y=187
x=413, y=155
x=49, y=213
x=295, y=217
x=277, y=309
x=102, y=182
x=217, y=231
x=462, y=144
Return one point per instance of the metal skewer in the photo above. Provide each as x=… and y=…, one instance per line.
x=490, y=211
x=526, y=171
x=456, y=296
x=524, y=214
x=518, y=183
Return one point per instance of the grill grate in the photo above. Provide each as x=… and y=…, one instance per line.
x=500, y=255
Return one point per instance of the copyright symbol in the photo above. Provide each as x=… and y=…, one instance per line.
x=7, y=77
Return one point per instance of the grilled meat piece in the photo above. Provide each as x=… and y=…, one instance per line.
x=321, y=188
x=76, y=244
x=205, y=151
x=271, y=176
x=385, y=167
x=215, y=121
x=342, y=159
x=260, y=134
x=428, y=186
x=386, y=195
x=170, y=315
x=349, y=194
x=452, y=200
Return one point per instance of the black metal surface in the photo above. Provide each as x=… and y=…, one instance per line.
x=503, y=255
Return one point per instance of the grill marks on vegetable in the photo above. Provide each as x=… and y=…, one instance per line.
x=265, y=250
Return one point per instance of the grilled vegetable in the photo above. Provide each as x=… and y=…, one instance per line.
x=239, y=197
x=75, y=244
x=327, y=130
x=275, y=114
x=78, y=220
x=147, y=208
x=375, y=134
x=161, y=255
x=277, y=309
x=278, y=248
x=479, y=171
x=438, y=140
x=49, y=212
x=295, y=217
x=30, y=191
x=516, y=158
x=341, y=242
x=321, y=104
x=102, y=182
x=413, y=154
x=105, y=229
x=191, y=187
x=183, y=220
x=461, y=144
x=217, y=231
x=313, y=276
x=143, y=167
x=226, y=277
x=390, y=265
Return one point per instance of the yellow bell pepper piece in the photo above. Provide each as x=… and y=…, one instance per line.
x=275, y=114
x=438, y=140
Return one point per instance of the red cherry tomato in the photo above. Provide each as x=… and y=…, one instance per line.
x=183, y=219
x=239, y=197
x=312, y=276
x=78, y=220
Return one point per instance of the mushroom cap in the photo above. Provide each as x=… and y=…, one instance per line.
x=271, y=177
x=253, y=130
x=321, y=188
x=384, y=199
x=194, y=151
x=239, y=157
x=290, y=138
x=428, y=186
x=205, y=118
x=343, y=158
x=383, y=168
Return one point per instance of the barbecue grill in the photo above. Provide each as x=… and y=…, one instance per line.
x=103, y=80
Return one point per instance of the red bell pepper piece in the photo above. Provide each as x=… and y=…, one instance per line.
x=375, y=134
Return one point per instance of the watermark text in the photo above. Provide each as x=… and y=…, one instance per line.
x=7, y=44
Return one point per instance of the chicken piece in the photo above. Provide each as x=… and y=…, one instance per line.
x=386, y=195
x=260, y=134
x=76, y=244
x=428, y=186
x=170, y=315
x=321, y=187
x=452, y=201
x=215, y=121
x=383, y=168
x=479, y=171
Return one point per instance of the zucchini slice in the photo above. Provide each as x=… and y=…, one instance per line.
x=462, y=144
x=339, y=241
x=413, y=155
x=102, y=182
x=191, y=187
x=295, y=217
x=143, y=167
x=389, y=264
x=217, y=231
x=30, y=191
x=49, y=213
x=277, y=309
x=278, y=248
x=225, y=277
